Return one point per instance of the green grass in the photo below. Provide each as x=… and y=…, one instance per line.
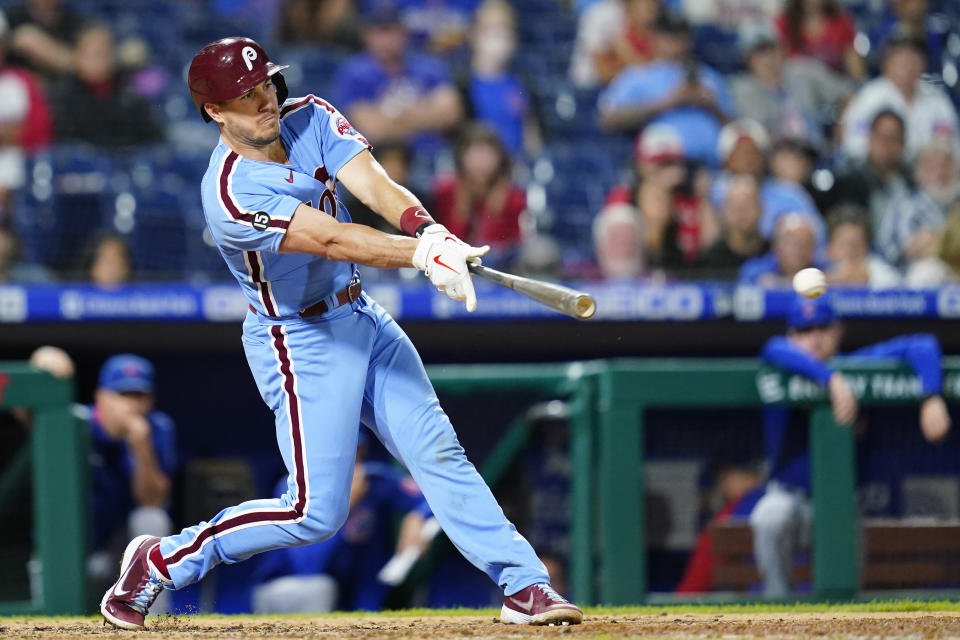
x=875, y=606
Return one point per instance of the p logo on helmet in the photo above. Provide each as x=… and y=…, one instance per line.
x=249, y=54
x=228, y=68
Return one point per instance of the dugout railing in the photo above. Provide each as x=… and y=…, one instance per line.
x=607, y=402
x=609, y=563
x=55, y=459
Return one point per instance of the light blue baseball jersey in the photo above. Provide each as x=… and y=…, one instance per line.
x=248, y=205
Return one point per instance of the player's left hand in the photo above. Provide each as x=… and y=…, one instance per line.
x=443, y=257
x=934, y=419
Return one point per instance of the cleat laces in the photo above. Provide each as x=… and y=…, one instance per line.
x=147, y=594
x=550, y=593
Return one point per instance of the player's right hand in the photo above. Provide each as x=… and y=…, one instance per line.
x=443, y=257
x=844, y=402
x=934, y=419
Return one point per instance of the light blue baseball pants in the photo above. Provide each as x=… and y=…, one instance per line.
x=322, y=376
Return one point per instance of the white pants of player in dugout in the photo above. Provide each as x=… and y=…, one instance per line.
x=322, y=376
x=781, y=523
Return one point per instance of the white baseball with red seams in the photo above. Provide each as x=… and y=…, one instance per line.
x=810, y=282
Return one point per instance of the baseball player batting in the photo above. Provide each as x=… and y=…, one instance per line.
x=325, y=356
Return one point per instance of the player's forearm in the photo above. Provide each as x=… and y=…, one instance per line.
x=410, y=530
x=440, y=111
x=316, y=234
x=361, y=244
x=150, y=485
x=367, y=180
x=782, y=353
x=375, y=125
x=630, y=117
x=43, y=49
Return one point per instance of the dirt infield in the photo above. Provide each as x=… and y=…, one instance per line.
x=758, y=625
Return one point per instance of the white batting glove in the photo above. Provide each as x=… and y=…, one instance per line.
x=443, y=257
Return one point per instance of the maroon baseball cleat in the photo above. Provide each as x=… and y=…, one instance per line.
x=125, y=604
x=539, y=604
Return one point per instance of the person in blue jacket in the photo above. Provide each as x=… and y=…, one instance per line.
x=133, y=456
x=781, y=514
x=348, y=571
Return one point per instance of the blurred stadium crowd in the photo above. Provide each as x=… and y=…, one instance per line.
x=614, y=139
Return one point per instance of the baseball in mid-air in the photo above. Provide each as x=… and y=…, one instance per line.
x=810, y=282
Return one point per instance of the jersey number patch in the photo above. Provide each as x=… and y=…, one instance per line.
x=261, y=220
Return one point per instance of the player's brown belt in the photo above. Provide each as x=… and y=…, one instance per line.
x=348, y=294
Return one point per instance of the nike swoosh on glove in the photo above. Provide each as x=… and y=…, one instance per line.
x=443, y=257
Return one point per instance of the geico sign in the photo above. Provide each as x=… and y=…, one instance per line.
x=677, y=302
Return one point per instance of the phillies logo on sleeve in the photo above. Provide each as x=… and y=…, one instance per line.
x=344, y=127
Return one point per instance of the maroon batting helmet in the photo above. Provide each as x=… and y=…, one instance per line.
x=229, y=68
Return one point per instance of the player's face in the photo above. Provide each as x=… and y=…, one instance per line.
x=140, y=402
x=821, y=342
x=254, y=117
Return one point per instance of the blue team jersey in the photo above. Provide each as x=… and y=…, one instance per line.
x=786, y=430
x=248, y=205
x=111, y=470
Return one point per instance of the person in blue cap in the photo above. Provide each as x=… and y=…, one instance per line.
x=132, y=457
x=781, y=514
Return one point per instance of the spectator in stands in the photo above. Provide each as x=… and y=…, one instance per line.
x=12, y=269
x=673, y=89
x=911, y=18
x=492, y=93
x=594, y=62
x=36, y=129
x=849, y=260
x=331, y=23
x=133, y=456
x=94, y=105
x=107, y=261
x=480, y=203
x=618, y=242
x=944, y=267
x=785, y=94
x=740, y=238
x=389, y=93
x=925, y=109
x=877, y=180
x=781, y=518
x=345, y=572
x=880, y=179
x=14, y=103
x=634, y=43
x=43, y=36
x=792, y=162
x=678, y=221
x=820, y=29
x=24, y=125
x=911, y=228
x=742, y=149
x=794, y=248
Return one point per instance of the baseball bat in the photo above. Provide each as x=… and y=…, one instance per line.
x=575, y=304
